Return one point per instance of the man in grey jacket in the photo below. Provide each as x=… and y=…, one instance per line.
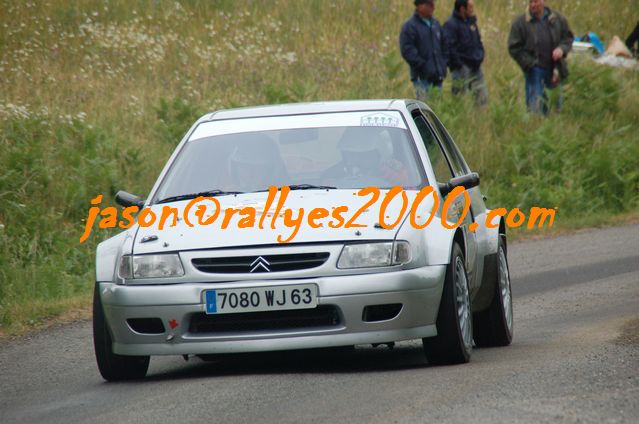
x=539, y=41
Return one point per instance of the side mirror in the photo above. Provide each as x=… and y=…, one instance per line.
x=467, y=181
x=125, y=199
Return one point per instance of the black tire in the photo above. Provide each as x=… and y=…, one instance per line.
x=493, y=327
x=113, y=367
x=449, y=347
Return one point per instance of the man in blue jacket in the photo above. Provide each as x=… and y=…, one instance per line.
x=466, y=51
x=423, y=46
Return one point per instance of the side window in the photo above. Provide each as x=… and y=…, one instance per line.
x=435, y=154
x=456, y=160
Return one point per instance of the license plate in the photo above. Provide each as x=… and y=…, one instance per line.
x=255, y=299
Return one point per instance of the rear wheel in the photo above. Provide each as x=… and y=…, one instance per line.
x=113, y=367
x=454, y=341
x=494, y=326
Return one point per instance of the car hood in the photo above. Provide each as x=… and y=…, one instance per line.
x=183, y=237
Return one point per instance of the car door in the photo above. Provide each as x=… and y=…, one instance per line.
x=448, y=163
x=477, y=210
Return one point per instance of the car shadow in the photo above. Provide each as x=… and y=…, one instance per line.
x=339, y=360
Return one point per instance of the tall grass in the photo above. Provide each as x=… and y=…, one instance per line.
x=95, y=95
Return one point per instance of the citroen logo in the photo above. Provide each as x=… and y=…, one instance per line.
x=260, y=262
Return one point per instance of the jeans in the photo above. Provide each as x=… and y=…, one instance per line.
x=538, y=82
x=465, y=79
x=423, y=88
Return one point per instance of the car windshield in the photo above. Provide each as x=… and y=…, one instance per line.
x=344, y=151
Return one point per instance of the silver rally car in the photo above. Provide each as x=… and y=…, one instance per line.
x=320, y=264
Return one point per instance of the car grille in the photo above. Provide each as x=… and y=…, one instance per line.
x=322, y=316
x=268, y=263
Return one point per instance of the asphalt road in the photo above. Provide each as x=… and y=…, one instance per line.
x=574, y=358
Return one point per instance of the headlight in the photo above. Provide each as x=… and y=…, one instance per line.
x=151, y=266
x=365, y=255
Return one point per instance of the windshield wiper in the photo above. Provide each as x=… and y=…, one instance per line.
x=299, y=187
x=310, y=187
x=207, y=193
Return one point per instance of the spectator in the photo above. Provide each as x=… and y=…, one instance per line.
x=633, y=39
x=539, y=41
x=466, y=51
x=423, y=46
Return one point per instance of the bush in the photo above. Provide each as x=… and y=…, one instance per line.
x=53, y=168
x=175, y=118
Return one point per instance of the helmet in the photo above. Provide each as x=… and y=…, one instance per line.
x=363, y=150
x=254, y=163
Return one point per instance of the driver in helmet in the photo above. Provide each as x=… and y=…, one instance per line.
x=254, y=164
x=360, y=157
x=367, y=153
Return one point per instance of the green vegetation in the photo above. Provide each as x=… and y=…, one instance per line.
x=94, y=96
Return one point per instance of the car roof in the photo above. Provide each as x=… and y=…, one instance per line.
x=308, y=108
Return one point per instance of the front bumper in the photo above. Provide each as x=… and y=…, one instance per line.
x=418, y=290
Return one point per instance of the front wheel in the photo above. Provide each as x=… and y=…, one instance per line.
x=454, y=341
x=113, y=367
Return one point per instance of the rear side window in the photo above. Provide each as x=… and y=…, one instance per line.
x=454, y=156
x=435, y=154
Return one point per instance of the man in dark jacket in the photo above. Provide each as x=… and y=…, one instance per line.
x=633, y=39
x=424, y=47
x=539, y=41
x=466, y=51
